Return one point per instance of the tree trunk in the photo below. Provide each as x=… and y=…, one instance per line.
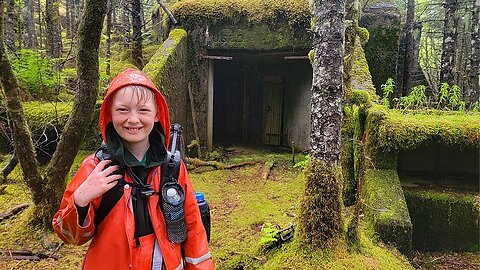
x=29, y=36
x=449, y=42
x=137, y=57
x=22, y=140
x=126, y=24
x=40, y=23
x=68, y=17
x=406, y=54
x=53, y=30
x=321, y=222
x=11, y=26
x=47, y=192
x=89, y=33
x=475, y=57
x=108, y=53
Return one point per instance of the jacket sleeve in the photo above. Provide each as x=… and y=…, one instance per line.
x=65, y=222
x=196, y=251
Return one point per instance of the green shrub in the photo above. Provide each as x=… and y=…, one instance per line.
x=35, y=74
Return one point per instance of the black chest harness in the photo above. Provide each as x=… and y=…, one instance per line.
x=172, y=194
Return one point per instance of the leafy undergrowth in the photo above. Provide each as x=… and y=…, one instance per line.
x=241, y=201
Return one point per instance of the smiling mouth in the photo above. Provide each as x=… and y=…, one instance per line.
x=133, y=128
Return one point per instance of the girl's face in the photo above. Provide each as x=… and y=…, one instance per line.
x=134, y=113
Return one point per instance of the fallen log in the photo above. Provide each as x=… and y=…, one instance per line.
x=217, y=165
x=241, y=164
x=24, y=255
x=17, y=209
x=266, y=169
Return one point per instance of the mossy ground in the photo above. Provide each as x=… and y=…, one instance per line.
x=241, y=202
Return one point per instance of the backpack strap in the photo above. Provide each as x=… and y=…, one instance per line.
x=113, y=195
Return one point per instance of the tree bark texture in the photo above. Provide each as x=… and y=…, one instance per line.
x=137, y=58
x=29, y=35
x=40, y=23
x=321, y=221
x=475, y=57
x=68, y=17
x=108, y=53
x=22, y=140
x=406, y=53
x=449, y=42
x=11, y=26
x=126, y=23
x=89, y=33
x=326, y=111
x=53, y=30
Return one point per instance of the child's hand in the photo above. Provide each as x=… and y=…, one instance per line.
x=98, y=182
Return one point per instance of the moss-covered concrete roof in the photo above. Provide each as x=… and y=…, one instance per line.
x=396, y=130
x=269, y=11
x=247, y=24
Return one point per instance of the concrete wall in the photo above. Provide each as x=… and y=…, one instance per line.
x=297, y=105
x=167, y=69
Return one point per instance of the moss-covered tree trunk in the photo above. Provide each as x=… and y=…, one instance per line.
x=89, y=33
x=321, y=220
x=47, y=190
x=53, y=32
x=22, y=139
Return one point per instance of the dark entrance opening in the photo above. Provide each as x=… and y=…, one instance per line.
x=250, y=94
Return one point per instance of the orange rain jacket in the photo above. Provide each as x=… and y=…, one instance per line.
x=113, y=245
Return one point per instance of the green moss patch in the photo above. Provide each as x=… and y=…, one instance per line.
x=361, y=77
x=48, y=119
x=386, y=209
x=444, y=220
x=238, y=24
x=389, y=131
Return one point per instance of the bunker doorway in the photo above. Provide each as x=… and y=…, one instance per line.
x=249, y=98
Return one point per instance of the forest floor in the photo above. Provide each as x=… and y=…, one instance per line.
x=242, y=201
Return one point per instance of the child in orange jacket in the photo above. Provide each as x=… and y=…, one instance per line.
x=104, y=202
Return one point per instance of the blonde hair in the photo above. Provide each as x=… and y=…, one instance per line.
x=142, y=93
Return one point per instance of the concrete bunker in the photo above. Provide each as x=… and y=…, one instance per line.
x=260, y=98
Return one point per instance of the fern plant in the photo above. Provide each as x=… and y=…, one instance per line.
x=443, y=95
x=387, y=90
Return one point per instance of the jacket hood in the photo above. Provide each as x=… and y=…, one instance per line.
x=132, y=76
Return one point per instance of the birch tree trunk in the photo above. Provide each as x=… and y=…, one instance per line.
x=320, y=221
x=449, y=42
x=29, y=36
x=53, y=31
